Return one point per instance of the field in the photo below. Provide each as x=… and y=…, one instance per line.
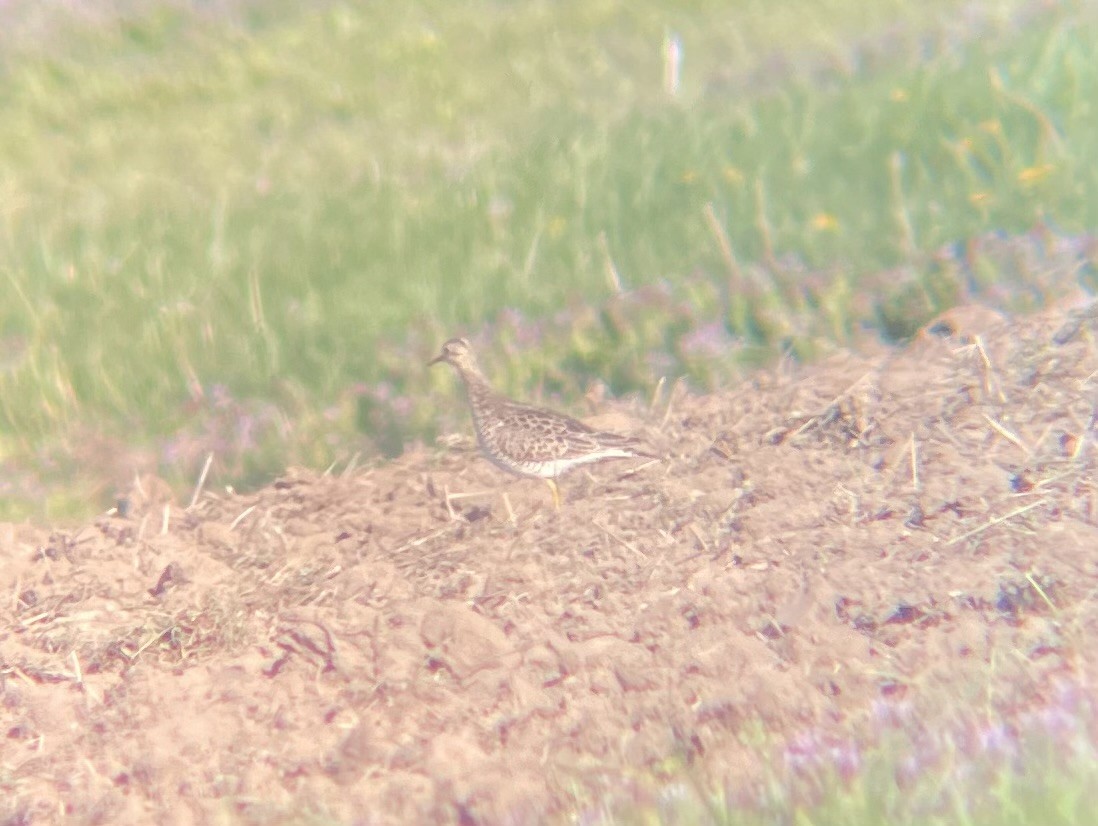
x=857, y=593
x=251, y=575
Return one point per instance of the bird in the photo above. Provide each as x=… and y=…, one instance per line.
x=526, y=440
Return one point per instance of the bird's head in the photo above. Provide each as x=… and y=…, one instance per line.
x=459, y=353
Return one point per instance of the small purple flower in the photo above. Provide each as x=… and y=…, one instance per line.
x=999, y=739
x=708, y=341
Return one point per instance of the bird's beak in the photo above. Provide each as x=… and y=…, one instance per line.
x=436, y=360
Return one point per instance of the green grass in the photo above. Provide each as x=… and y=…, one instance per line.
x=1015, y=778
x=244, y=232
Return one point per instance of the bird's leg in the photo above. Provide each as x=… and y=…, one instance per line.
x=556, y=493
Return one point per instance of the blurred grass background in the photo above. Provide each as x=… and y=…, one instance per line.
x=241, y=228
x=992, y=774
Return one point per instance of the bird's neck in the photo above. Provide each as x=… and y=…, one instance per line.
x=476, y=387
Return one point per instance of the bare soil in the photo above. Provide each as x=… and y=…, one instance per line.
x=825, y=552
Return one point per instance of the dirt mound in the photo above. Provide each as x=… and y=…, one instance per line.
x=824, y=551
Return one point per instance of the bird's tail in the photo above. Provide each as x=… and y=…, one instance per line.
x=636, y=446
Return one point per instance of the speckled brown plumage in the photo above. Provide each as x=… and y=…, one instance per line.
x=527, y=440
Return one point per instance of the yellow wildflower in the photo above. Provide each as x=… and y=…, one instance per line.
x=733, y=175
x=1033, y=174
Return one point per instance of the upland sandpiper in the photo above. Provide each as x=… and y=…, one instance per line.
x=527, y=440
